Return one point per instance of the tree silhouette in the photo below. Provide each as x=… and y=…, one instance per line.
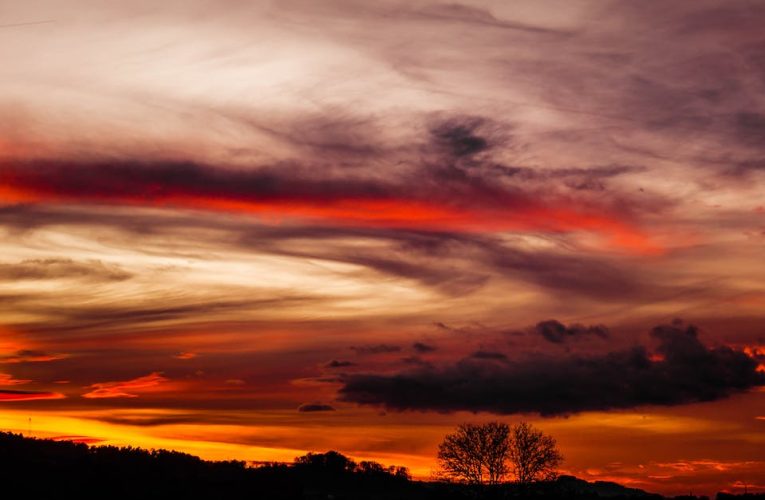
x=533, y=454
x=486, y=453
x=476, y=453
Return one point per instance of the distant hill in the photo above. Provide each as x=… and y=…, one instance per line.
x=39, y=468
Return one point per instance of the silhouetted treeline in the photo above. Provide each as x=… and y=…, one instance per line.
x=45, y=469
x=745, y=496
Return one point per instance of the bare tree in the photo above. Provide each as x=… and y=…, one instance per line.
x=533, y=454
x=476, y=453
x=486, y=453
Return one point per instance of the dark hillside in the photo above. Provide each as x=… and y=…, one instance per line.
x=45, y=469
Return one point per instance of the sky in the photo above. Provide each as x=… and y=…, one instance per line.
x=252, y=229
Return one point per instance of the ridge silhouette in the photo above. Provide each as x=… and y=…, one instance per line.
x=43, y=468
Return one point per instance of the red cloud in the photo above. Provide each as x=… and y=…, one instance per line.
x=78, y=439
x=28, y=395
x=276, y=196
x=125, y=388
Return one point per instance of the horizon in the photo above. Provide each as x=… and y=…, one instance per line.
x=250, y=230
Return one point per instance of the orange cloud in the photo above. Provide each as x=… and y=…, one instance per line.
x=27, y=356
x=125, y=389
x=7, y=379
x=185, y=355
x=28, y=395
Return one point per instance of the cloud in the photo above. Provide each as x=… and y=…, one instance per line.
x=125, y=389
x=685, y=371
x=416, y=361
x=339, y=364
x=160, y=419
x=451, y=262
x=185, y=355
x=112, y=316
x=376, y=349
x=7, y=379
x=314, y=407
x=47, y=269
x=489, y=355
x=447, y=198
x=7, y=395
x=78, y=439
x=556, y=332
x=422, y=348
x=31, y=356
x=460, y=137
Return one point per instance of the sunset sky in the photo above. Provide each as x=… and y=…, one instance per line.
x=252, y=229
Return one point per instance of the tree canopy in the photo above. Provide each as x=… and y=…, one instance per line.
x=488, y=453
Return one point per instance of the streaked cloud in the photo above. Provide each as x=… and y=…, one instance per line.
x=125, y=389
x=8, y=395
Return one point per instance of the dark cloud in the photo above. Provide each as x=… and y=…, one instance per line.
x=556, y=332
x=156, y=421
x=415, y=360
x=314, y=407
x=489, y=355
x=422, y=348
x=146, y=180
x=376, y=349
x=44, y=269
x=460, y=137
x=685, y=371
x=339, y=364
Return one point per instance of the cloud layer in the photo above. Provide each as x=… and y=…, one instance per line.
x=684, y=371
x=213, y=213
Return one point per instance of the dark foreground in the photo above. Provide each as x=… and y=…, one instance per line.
x=45, y=469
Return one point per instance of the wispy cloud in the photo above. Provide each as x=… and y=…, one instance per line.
x=125, y=389
x=7, y=395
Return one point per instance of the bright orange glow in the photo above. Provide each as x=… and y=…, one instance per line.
x=756, y=352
